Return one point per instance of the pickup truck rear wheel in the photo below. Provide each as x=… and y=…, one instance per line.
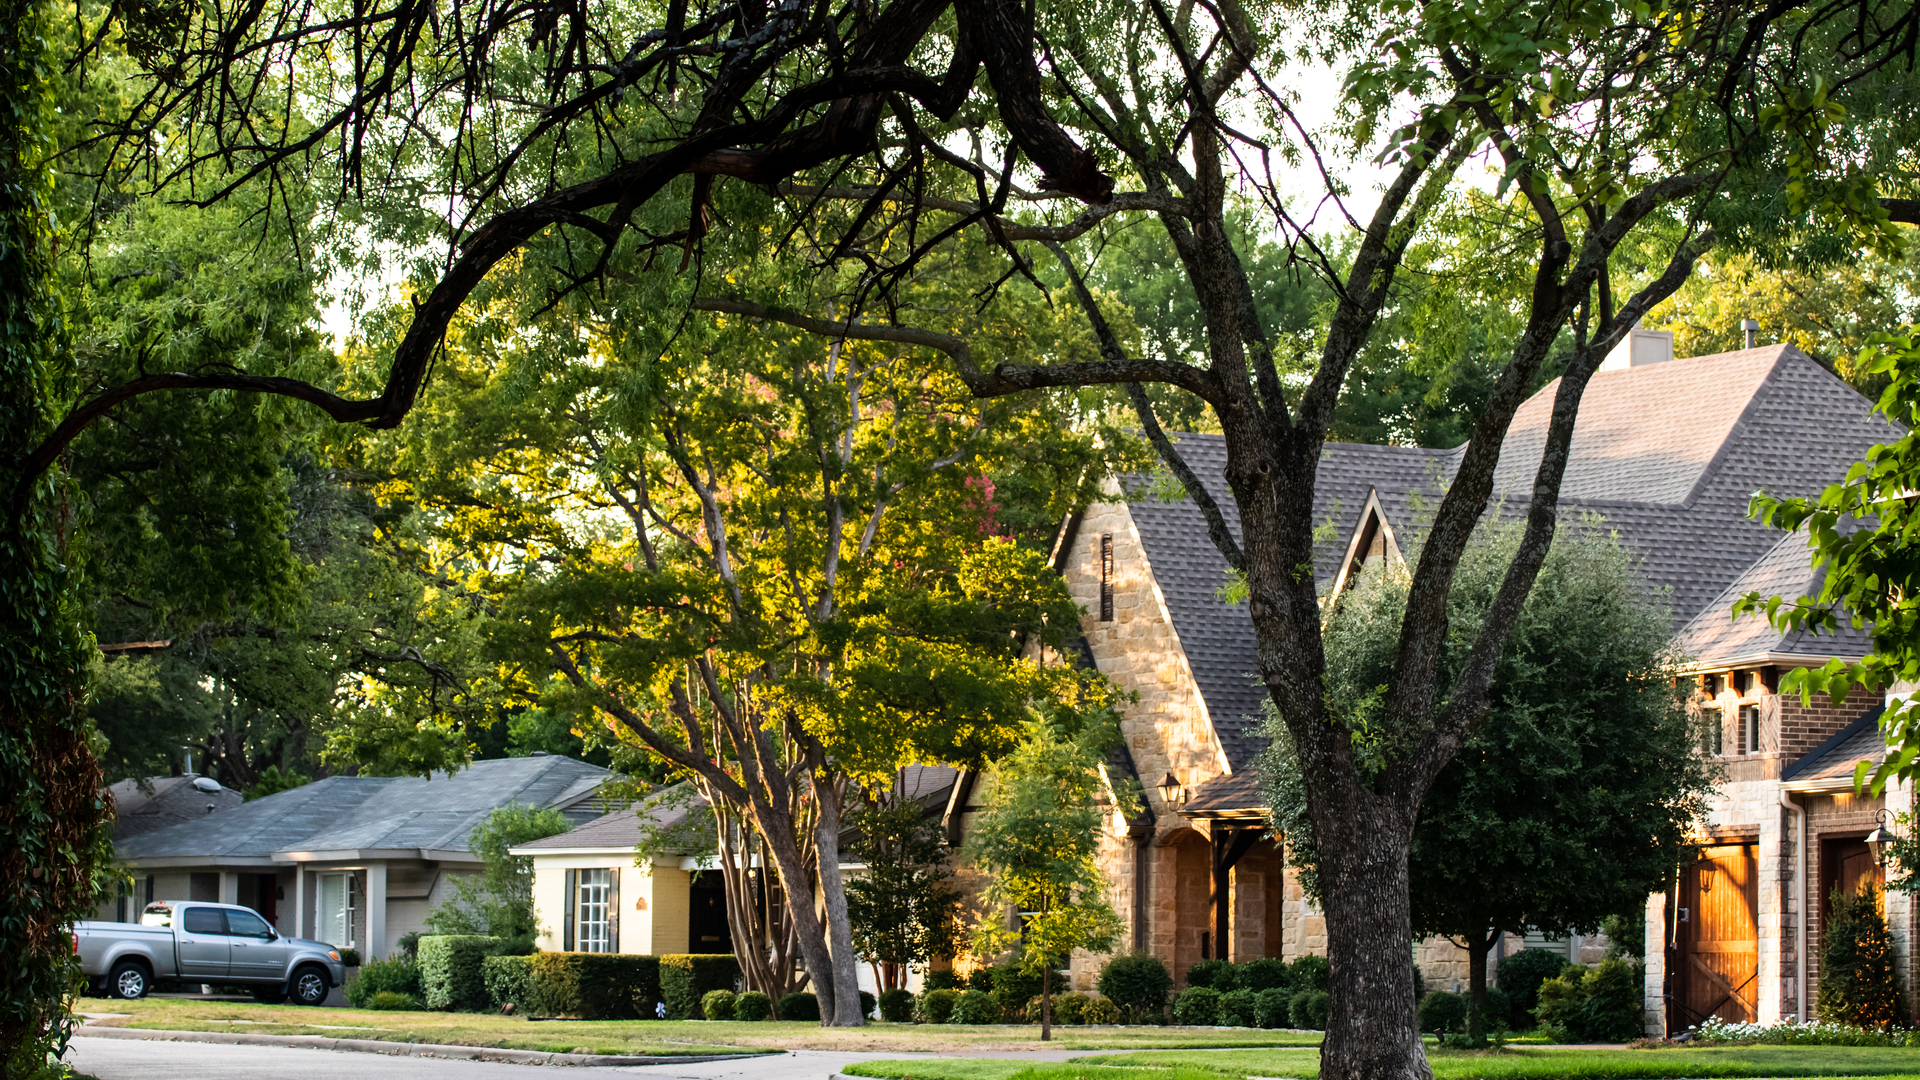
x=129, y=980
x=308, y=986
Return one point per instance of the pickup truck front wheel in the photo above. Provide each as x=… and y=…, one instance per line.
x=128, y=980
x=308, y=986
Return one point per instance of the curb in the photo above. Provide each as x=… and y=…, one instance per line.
x=400, y=1049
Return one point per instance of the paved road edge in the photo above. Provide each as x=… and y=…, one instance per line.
x=400, y=1049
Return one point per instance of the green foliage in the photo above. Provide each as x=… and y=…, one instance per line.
x=1067, y=1009
x=1273, y=1007
x=1137, y=982
x=1037, y=841
x=1013, y=987
x=1239, y=1008
x=400, y=975
x=1311, y=972
x=799, y=1005
x=1307, y=1009
x=1197, y=1006
x=1858, y=984
x=980, y=978
x=393, y=1000
x=272, y=782
x=1605, y=1003
x=903, y=910
x=1859, y=531
x=753, y=1006
x=687, y=978
x=1443, y=1013
x=498, y=902
x=509, y=981
x=1221, y=975
x=935, y=1006
x=942, y=980
x=1572, y=801
x=591, y=986
x=1626, y=934
x=451, y=976
x=1520, y=976
x=1102, y=1011
x=867, y=1004
x=1262, y=974
x=975, y=1007
x=718, y=1005
x=896, y=1006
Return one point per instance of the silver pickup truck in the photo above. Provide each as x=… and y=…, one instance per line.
x=179, y=941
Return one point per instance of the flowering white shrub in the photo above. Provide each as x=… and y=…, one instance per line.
x=1794, y=1033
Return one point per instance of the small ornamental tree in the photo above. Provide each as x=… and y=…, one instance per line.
x=903, y=911
x=1856, y=963
x=1036, y=842
x=498, y=902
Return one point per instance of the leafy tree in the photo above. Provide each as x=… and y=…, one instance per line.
x=498, y=901
x=1037, y=841
x=903, y=911
x=1574, y=800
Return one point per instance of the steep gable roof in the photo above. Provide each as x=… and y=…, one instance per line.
x=1714, y=638
x=362, y=813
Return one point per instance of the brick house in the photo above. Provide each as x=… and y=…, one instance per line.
x=1667, y=452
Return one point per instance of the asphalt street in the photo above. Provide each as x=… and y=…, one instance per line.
x=130, y=1059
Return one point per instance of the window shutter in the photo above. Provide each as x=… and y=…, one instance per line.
x=572, y=902
x=613, y=910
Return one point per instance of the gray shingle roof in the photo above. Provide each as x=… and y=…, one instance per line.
x=368, y=812
x=1668, y=454
x=167, y=800
x=623, y=829
x=1714, y=637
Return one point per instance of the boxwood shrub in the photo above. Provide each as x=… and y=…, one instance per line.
x=975, y=1007
x=1442, y=1012
x=1102, y=1011
x=450, y=973
x=1308, y=1009
x=1237, y=1009
x=400, y=975
x=1137, y=982
x=896, y=1006
x=1266, y=973
x=687, y=978
x=754, y=1005
x=718, y=1005
x=935, y=1006
x=509, y=980
x=1273, y=1007
x=800, y=1005
x=1215, y=974
x=1197, y=1006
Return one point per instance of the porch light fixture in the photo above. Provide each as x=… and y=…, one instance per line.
x=1881, y=837
x=1172, y=791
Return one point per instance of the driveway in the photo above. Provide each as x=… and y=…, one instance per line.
x=133, y=1059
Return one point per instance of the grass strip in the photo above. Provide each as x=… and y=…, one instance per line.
x=1531, y=1063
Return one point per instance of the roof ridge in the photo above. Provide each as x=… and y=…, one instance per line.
x=1738, y=429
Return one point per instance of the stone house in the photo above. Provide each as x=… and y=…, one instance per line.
x=1666, y=451
x=355, y=861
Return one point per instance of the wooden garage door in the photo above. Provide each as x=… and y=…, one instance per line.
x=1718, y=937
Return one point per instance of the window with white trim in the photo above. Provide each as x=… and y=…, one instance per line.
x=593, y=914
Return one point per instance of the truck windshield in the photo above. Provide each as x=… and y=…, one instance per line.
x=157, y=915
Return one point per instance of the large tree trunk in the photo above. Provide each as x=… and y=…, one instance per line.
x=833, y=895
x=1373, y=1028
x=795, y=882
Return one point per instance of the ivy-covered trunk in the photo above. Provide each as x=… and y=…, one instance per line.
x=51, y=808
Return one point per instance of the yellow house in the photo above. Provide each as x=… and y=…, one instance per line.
x=593, y=893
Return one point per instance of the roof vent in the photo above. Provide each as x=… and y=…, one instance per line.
x=1750, y=328
x=1640, y=348
x=207, y=784
x=538, y=753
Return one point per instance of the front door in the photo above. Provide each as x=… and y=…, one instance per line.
x=1717, y=937
x=201, y=940
x=256, y=952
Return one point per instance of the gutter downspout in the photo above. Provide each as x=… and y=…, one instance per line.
x=1800, y=888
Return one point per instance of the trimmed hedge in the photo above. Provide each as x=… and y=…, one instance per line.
x=389, y=1000
x=687, y=978
x=1237, y=1009
x=1442, y=1013
x=509, y=980
x=1311, y=972
x=1197, y=1006
x=896, y=1006
x=593, y=986
x=450, y=973
x=718, y=1005
x=1137, y=982
x=800, y=1005
x=398, y=976
x=1266, y=973
x=935, y=1006
x=1218, y=975
x=867, y=1004
x=1273, y=1007
x=1102, y=1011
x=1308, y=1009
x=975, y=1007
x=754, y=1005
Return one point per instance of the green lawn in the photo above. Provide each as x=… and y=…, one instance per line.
x=647, y=1037
x=1507, y=1064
